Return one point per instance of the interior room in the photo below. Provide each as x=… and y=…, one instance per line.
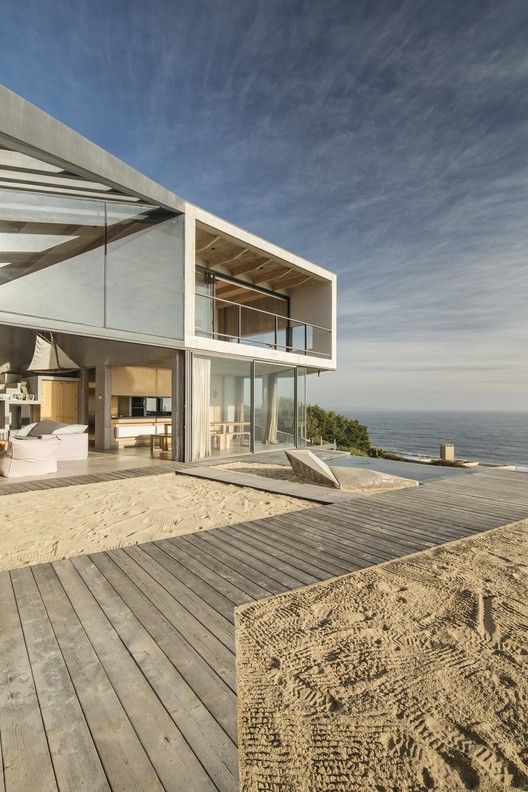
x=54, y=377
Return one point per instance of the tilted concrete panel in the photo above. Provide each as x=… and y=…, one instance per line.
x=307, y=466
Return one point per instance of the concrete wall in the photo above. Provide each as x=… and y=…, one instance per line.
x=16, y=347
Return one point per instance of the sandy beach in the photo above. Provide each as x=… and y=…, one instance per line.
x=48, y=525
x=406, y=676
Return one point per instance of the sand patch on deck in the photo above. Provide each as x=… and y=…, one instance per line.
x=360, y=481
x=48, y=525
x=408, y=676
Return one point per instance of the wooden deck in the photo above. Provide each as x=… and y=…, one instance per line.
x=118, y=669
x=16, y=487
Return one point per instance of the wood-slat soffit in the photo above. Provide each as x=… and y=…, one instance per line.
x=224, y=255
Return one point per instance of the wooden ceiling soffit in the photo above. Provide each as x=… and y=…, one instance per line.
x=272, y=274
x=251, y=263
x=295, y=279
x=201, y=242
x=227, y=258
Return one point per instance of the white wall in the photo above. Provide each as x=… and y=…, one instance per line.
x=314, y=303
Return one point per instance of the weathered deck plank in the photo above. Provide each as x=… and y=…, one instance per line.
x=26, y=759
x=131, y=652
x=125, y=762
x=75, y=758
x=169, y=753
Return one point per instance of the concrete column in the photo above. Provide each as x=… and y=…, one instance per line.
x=187, y=428
x=190, y=272
x=103, y=408
x=252, y=411
x=178, y=407
x=296, y=407
x=82, y=407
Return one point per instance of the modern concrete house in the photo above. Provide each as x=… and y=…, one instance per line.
x=179, y=324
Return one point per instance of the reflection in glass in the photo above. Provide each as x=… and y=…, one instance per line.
x=52, y=257
x=257, y=327
x=221, y=405
x=91, y=263
x=144, y=271
x=204, y=304
x=274, y=406
x=301, y=408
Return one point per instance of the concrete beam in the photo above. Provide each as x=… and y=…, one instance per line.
x=31, y=131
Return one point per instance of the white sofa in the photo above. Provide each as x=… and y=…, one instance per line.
x=72, y=446
x=30, y=456
x=73, y=440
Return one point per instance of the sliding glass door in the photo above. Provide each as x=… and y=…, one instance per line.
x=274, y=406
x=240, y=405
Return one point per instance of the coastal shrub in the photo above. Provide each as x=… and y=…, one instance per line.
x=348, y=434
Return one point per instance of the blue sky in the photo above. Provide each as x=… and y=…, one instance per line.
x=387, y=141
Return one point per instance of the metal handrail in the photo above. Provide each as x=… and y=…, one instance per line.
x=284, y=347
x=260, y=310
x=291, y=325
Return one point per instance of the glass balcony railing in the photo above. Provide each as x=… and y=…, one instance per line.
x=224, y=320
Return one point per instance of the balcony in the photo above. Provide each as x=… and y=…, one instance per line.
x=224, y=320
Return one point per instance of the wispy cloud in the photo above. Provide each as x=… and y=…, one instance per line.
x=386, y=140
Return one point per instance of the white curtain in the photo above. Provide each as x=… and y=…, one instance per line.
x=201, y=398
x=272, y=409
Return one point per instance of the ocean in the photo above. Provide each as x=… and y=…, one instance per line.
x=500, y=437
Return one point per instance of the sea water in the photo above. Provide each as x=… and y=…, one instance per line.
x=499, y=437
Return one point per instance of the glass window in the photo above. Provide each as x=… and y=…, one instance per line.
x=91, y=263
x=144, y=271
x=301, y=407
x=221, y=407
x=232, y=311
x=274, y=406
x=204, y=303
x=52, y=252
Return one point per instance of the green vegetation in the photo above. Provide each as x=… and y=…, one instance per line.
x=348, y=434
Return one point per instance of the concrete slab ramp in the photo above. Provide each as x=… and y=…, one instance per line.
x=365, y=481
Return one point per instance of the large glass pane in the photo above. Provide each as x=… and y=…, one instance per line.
x=226, y=321
x=221, y=394
x=274, y=406
x=275, y=304
x=298, y=336
x=52, y=257
x=204, y=304
x=144, y=271
x=257, y=327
